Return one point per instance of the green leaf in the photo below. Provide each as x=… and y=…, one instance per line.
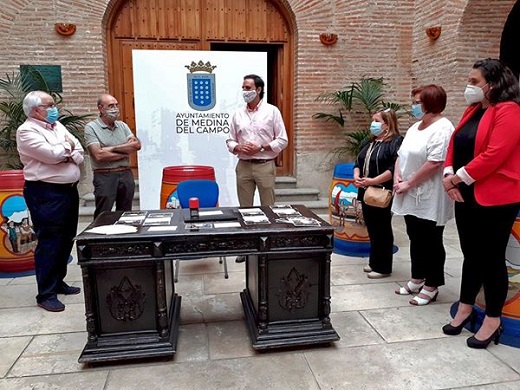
x=15, y=87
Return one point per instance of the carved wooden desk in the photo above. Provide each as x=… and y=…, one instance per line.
x=132, y=310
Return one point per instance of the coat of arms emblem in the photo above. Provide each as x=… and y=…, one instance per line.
x=201, y=86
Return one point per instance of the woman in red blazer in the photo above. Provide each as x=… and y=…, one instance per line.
x=482, y=175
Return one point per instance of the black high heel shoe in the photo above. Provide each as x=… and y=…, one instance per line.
x=473, y=342
x=455, y=330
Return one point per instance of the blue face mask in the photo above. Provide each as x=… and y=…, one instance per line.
x=417, y=111
x=376, y=128
x=52, y=114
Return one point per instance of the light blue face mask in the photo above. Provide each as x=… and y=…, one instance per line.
x=376, y=128
x=52, y=114
x=417, y=111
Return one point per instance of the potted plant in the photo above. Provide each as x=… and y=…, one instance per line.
x=15, y=87
x=356, y=104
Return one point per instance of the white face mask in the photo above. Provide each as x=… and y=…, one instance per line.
x=473, y=94
x=112, y=114
x=249, y=96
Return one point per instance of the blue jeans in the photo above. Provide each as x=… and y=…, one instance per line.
x=54, y=212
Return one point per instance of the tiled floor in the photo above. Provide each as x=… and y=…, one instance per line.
x=385, y=342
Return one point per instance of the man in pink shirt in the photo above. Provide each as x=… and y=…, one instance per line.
x=256, y=137
x=51, y=156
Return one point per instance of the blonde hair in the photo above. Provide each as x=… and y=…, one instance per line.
x=390, y=119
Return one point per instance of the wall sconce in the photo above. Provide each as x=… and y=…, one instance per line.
x=65, y=29
x=433, y=33
x=328, y=38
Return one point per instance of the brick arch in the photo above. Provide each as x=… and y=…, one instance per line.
x=201, y=25
x=509, y=43
x=479, y=34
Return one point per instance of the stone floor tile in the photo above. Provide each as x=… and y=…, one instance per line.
x=6, y=281
x=18, y=295
x=353, y=274
x=507, y=354
x=453, y=267
x=189, y=284
x=200, y=266
x=34, y=320
x=340, y=260
x=51, y=354
x=29, y=279
x=366, y=296
x=192, y=343
x=433, y=364
x=94, y=380
x=409, y=323
x=515, y=385
x=217, y=284
x=229, y=339
x=10, y=350
x=211, y=308
x=74, y=274
x=353, y=330
x=278, y=371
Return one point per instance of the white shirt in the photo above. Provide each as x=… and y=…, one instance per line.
x=263, y=125
x=428, y=200
x=43, y=149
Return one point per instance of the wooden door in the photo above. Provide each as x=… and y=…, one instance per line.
x=202, y=25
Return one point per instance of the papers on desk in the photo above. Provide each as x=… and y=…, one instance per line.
x=217, y=225
x=163, y=219
x=253, y=216
x=299, y=221
x=162, y=228
x=207, y=213
x=113, y=229
x=283, y=210
x=198, y=225
x=134, y=218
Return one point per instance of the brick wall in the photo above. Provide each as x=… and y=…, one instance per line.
x=376, y=38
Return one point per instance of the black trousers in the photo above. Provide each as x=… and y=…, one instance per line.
x=484, y=233
x=54, y=212
x=379, y=226
x=113, y=187
x=426, y=250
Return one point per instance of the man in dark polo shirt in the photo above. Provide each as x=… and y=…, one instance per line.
x=110, y=143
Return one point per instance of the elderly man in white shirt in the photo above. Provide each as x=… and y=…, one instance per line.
x=51, y=156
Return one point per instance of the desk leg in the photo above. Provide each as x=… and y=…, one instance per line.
x=287, y=300
x=132, y=311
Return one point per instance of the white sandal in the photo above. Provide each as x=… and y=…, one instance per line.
x=410, y=288
x=432, y=297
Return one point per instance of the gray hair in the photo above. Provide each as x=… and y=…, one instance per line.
x=32, y=100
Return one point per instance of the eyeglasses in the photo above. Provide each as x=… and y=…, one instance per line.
x=50, y=105
x=416, y=102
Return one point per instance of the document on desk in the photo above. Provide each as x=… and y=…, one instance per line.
x=158, y=219
x=282, y=210
x=112, y=229
x=217, y=225
x=251, y=212
x=205, y=213
x=162, y=228
x=134, y=218
x=256, y=219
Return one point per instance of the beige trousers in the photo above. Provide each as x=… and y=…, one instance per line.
x=251, y=176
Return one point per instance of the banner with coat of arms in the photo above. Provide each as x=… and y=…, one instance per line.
x=184, y=102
